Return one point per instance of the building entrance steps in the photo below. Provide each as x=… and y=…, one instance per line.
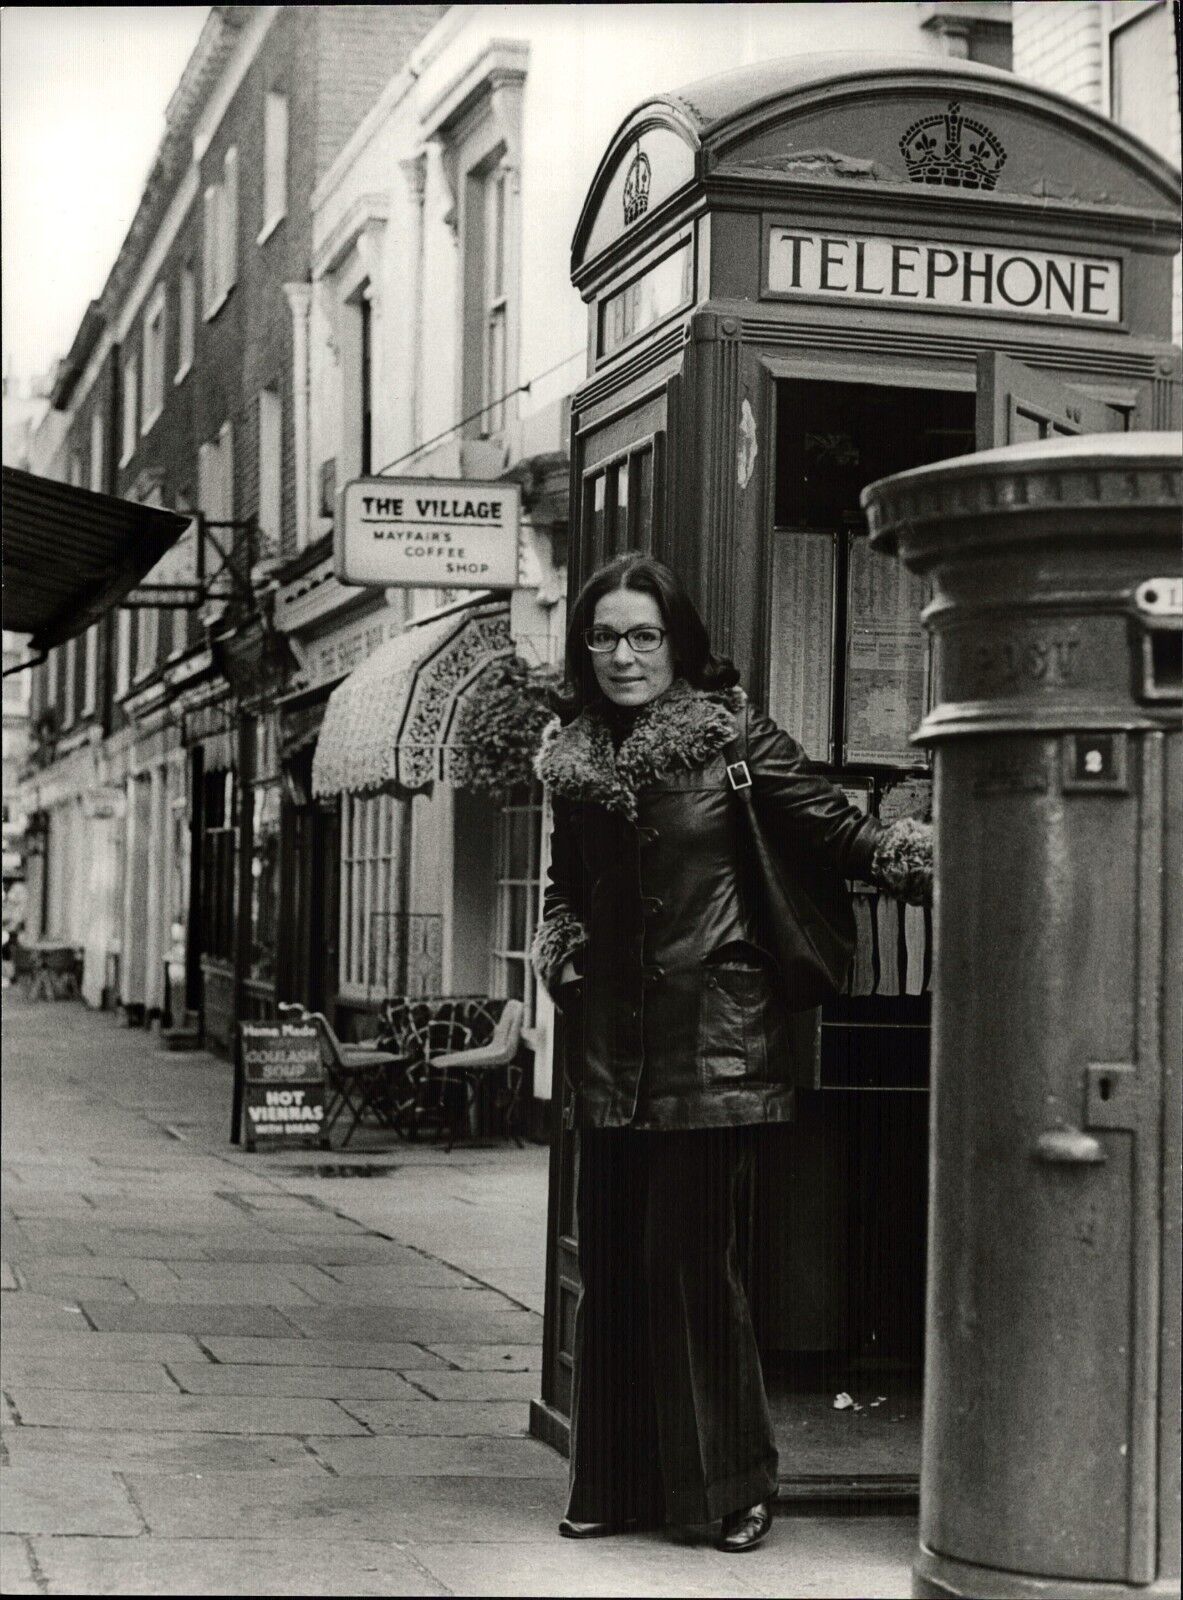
x=225, y=1374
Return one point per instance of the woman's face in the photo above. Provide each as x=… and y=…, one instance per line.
x=626, y=676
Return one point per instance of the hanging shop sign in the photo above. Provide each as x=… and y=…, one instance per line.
x=953, y=277
x=283, y=1080
x=428, y=532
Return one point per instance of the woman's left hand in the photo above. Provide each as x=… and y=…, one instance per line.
x=902, y=862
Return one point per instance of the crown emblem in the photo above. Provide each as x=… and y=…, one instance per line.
x=953, y=150
x=636, y=187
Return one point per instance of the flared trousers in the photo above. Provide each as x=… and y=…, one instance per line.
x=670, y=1421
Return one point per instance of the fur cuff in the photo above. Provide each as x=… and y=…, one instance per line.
x=555, y=940
x=902, y=861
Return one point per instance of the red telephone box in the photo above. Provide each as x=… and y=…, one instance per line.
x=800, y=278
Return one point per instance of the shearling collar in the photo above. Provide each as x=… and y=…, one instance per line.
x=680, y=730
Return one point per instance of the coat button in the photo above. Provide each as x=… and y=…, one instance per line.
x=647, y=835
x=651, y=974
x=651, y=905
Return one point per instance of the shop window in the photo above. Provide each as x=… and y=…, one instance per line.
x=122, y=652
x=516, y=912
x=186, y=320
x=71, y=654
x=154, y=334
x=371, y=895
x=128, y=445
x=97, y=443
x=219, y=850
x=90, y=671
x=265, y=797
x=275, y=162
x=619, y=498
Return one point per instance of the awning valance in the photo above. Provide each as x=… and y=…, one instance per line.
x=388, y=725
x=70, y=554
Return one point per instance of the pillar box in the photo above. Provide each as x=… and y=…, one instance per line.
x=1051, y=1400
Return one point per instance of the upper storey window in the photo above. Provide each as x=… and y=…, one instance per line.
x=221, y=236
x=275, y=163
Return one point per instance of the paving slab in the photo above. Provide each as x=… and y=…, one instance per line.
x=504, y=1419
x=459, y=1298
x=371, y=1383
x=491, y=1357
x=270, y=1291
x=123, y=1269
x=476, y=1385
x=63, y=1372
x=168, y=1453
x=601, y=1567
x=325, y=1252
x=84, y=1343
x=488, y=1510
x=16, y=1569
x=185, y=1317
x=303, y=1566
x=429, y=1325
x=407, y=1270
x=456, y=1456
x=50, y=1408
x=299, y=1352
x=61, y=1497
x=39, y=1313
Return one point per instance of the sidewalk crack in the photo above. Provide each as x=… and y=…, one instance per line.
x=35, y=1567
x=121, y=1479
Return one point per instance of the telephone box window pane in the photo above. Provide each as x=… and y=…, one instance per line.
x=649, y=299
x=887, y=659
x=622, y=527
x=802, y=639
x=643, y=474
x=597, y=496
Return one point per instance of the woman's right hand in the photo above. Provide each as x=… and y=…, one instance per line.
x=567, y=975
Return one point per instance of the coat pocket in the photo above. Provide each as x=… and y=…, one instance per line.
x=732, y=1014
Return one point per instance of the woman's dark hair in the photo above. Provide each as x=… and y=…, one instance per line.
x=693, y=657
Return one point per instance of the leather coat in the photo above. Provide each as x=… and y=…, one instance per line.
x=675, y=1020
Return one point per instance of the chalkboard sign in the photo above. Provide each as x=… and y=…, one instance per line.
x=283, y=1081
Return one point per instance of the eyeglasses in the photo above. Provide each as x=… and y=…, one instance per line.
x=602, y=641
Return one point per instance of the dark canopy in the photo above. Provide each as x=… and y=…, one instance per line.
x=71, y=554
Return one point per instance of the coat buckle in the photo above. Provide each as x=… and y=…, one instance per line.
x=738, y=775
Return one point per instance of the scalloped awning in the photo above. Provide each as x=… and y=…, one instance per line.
x=386, y=727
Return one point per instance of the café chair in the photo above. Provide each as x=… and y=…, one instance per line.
x=478, y=1066
x=357, y=1076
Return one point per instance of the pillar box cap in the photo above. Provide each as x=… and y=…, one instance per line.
x=1089, y=486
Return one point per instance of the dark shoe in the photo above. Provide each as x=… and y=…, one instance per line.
x=744, y=1530
x=596, y=1530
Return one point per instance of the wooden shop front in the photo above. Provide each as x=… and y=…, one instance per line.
x=801, y=277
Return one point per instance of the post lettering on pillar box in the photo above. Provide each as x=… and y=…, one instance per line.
x=284, y=1082
x=428, y=532
x=1002, y=280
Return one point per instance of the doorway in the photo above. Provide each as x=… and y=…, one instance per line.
x=838, y=1230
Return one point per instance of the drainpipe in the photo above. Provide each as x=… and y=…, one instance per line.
x=299, y=297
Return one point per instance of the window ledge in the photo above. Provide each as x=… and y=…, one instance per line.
x=215, y=306
x=269, y=228
x=183, y=372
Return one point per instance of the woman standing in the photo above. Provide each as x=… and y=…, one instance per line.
x=678, y=1044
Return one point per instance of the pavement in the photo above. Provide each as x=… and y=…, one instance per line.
x=243, y=1374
